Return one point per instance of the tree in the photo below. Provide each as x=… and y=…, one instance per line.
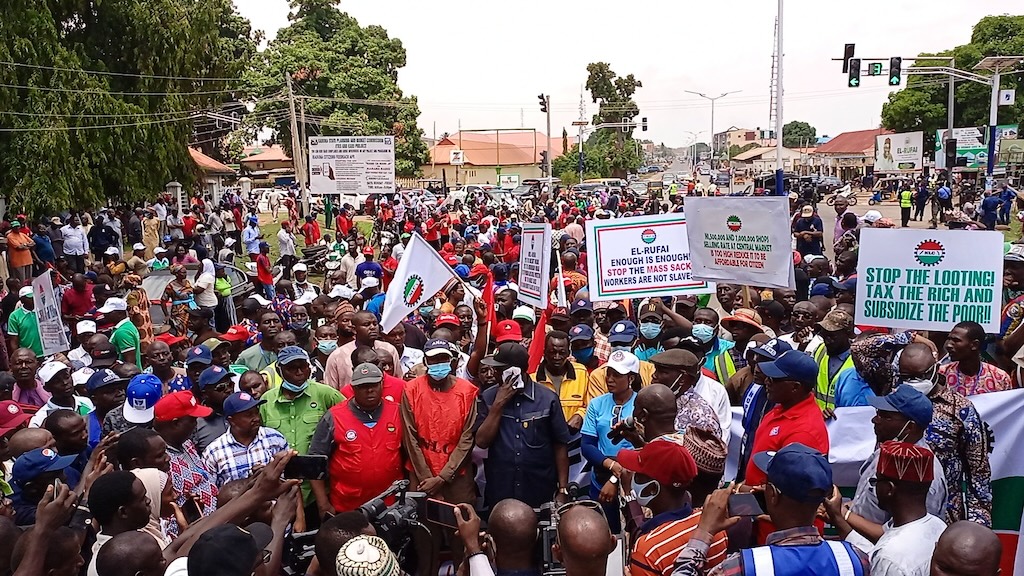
x=614, y=95
x=798, y=134
x=595, y=165
x=736, y=150
x=348, y=76
x=102, y=97
x=922, y=105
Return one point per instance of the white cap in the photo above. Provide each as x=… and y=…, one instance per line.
x=81, y=376
x=262, y=301
x=300, y=267
x=113, y=305
x=50, y=369
x=25, y=292
x=369, y=282
x=138, y=246
x=305, y=298
x=524, y=313
x=872, y=216
x=85, y=327
x=229, y=242
x=159, y=250
x=624, y=362
x=112, y=251
x=341, y=291
x=793, y=196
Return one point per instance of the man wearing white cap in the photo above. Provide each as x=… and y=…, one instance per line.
x=373, y=298
x=23, y=326
x=226, y=255
x=137, y=263
x=84, y=330
x=159, y=261
x=305, y=291
x=125, y=337
x=56, y=377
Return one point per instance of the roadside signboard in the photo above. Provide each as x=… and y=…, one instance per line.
x=351, y=164
x=535, y=264
x=970, y=144
x=899, y=152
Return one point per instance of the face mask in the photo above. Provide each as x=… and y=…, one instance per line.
x=623, y=348
x=292, y=387
x=920, y=384
x=703, y=332
x=650, y=330
x=899, y=435
x=299, y=325
x=646, y=491
x=327, y=346
x=584, y=355
x=425, y=310
x=439, y=371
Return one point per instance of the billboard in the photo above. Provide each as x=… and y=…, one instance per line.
x=899, y=152
x=970, y=144
x=351, y=164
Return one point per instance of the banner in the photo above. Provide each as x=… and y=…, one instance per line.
x=420, y=275
x=535, y=264
x=51, y=326
x=970, y=144
x=929, y=279
x=899, y=152
x=640, y=257
x=741, y=240
x=351, y=164
x=851, y=443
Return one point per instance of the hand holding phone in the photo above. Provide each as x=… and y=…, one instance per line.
x=441, y=512
x=312, y=467
x=744, y=504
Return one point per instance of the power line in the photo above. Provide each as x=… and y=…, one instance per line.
x=101, y=92
x=121, y=74
x=70, y=128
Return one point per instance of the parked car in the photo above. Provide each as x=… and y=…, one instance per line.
x=722, y=180
x=242, y=287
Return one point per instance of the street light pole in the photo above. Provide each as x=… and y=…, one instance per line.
x=780, y=178
x=712, y=99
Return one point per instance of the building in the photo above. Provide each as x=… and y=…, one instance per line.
x=733, y=136
x=848, y=155
x=215, y=174
x=763, y=159
x=265, y=158
x=511, y=156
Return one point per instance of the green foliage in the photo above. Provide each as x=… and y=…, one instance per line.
x=922, y=105
x=798, y=134
x=735, y=150
x=614, y=95
x=595, y=163
x=336, y=62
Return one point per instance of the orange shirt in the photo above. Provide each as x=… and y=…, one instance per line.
x=18, y=257
x=439, y=418
x=654, y=552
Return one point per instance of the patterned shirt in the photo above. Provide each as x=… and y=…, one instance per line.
x=989, y=379
x=228, y=459
x=138, y=313
x=254, y=332
x=602, y=348
x=692, y=410
x=191, y=477
x=961, y=441
x=283, y=307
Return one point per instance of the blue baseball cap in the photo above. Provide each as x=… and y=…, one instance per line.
x=821, y=289
x=772, y=349
x=798, y=471
x=289, y=354
x=907, y=401
x=580, y=304
x=438, y=346
x=212, y=375
x=462, y=270
x=580, y=332
x=240, y=402
x=792, y=365
x=623, y=332
x=200, y=354
x=101, y=378
x=141, y=395
x=35, y=463
x=848, y=285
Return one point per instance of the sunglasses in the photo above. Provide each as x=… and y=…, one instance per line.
x=591, y=504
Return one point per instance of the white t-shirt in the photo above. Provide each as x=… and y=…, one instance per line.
x=715, y=394
x=208, y=297
x=810, y=348
x=903, y=550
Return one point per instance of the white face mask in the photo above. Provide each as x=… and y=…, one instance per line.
x=920, y=384
x=646, y=491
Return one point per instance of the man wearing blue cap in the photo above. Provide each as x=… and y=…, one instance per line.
x=33, y=471
x=247, y=446
x=799, y=479
x=106, y=390
x=213, y=386
x=755, y=398
x=137, y=410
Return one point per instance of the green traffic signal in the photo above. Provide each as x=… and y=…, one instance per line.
x=875, y=69
x=894, y=80
x=854, y=82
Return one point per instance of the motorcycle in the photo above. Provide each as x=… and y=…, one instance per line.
x=844, y=192
x=315, y=259
x=878, y=196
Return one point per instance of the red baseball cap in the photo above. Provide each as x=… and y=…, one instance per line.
x=665, y=459
x=449, y=319
x=178, y=405
x=507, y=331
x=170, y=339
x=368, y=250
x=452, y=260
x=236, y=333
x=11, y=416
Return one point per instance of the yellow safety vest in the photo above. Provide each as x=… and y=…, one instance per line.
x=906, y=198
x=724, y=367
x=825, y=390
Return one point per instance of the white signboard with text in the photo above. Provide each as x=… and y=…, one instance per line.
x=51, y=326
x=535, y=264
x=351, y=164
x=899, y=152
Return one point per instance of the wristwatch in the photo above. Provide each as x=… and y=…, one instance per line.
x=614, y=479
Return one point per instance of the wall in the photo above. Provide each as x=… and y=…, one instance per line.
x=468, y=174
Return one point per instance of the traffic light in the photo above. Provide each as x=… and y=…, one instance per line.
x=626, y=127
x=543, y=102
x=643, y=124
x=894, y=70
x=544, y=162
x=875, y=69
x=949, y=148
x=847, y=54
x=854, y=73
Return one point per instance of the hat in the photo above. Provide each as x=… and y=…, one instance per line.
x=35, y=463
x=236, y=333
x=112, y=251
x=798, y=472
x=214, y=343
x=821, y=289
x=772, y=349
x=848, y=285
x=807, y=211
x=85, y=327
x=51, y=368
x=229, y=550
x=102, y=378
x=561, y=312
x=524, y=313
x=25, y=292
x=624, y=362
x=664, y=459
x=56, y=220
x=264, y=245
x=366, y=556
x=580, y=332
x=675, y=358
x=212, y=375
x=178, y=405
x=104, y=355
x=368, y=282
x=907, y=401
x=289, y=354
x=1014, y=254
x=141, y=395
x=622, y=332
x=229, y=242
x=451, y=260
x=138, y=246
x=791, y=365
x=648, y=310
x=836, y=320
x=341, y=291
x=260, y=300
x=687, y=300
x=300, y=267
x=746, y=316
x=447, y=319
x=507, y=331
x=113, y=305
x=872, y=216
x=11, y=416
x=159, y=250
x=707, y=448
x=509, y=354
x=240, y=402
x=366, y=373
x=462, y=270
x=437, y=347
x=170, y=339
x=580, y=304
x=200, y=354
x=368, y=250
x=905, y=461
x=793, y=196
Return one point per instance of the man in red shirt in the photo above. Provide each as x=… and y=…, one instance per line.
x=78, y=301
x=311, y=231
x=343, y=223
x=189, y=222
x=433, y=233
x=389, y=264
x=264, y=272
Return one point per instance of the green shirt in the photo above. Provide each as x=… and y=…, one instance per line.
x=25, y=326
x=125, y=338
x=297, y=419
x=256, y=358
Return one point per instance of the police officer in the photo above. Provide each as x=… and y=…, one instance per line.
x=906, y=204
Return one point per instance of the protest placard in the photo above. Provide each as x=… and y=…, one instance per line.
x=640, y=257
x=535, y=264
x=47, y=308
x=741, y=240
x=929, y=279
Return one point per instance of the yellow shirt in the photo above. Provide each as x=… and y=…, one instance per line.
x=574, y=390
x=598, y=384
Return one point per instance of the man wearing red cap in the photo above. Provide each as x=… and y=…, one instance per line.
x=174, y=418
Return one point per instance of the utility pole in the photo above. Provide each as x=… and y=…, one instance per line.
x=582, y=123
x=713, y=99
x=779, y=166
x=545, y=106
x=297, y=159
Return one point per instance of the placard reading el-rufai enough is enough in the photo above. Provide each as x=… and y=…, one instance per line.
x=929, y=279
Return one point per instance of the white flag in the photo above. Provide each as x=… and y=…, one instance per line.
x=421, y=273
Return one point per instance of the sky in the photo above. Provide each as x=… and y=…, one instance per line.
x=481, y=64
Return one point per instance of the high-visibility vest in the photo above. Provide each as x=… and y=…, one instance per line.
x=827, y=558
x=825, y=391
x=906, y=199
x=724, y=366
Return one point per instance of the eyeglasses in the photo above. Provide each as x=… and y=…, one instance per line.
x=874, y=481
x=591, y=504
x=616, y=415
x=225, y=386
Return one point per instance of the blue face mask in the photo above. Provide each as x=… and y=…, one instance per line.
x=299, y=325
x=327, y=346
x=650, y=330
x=425, y=310
x=703, y=332
x=584, y=355
x=292, y=387
x=439, y=371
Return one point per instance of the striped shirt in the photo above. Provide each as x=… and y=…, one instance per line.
x=655, y=551
x=228, y=459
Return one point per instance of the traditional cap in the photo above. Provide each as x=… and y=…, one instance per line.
x=447, y=319
x=141, y=395
x=624, y=362
x=746, y=316
x=85, y=327
x=675, y=358
x=664, y=459
x=212, y=375
x=907, y=401
x=51, y=368
x=580, y=332
x=366, y=373
x=580, y=304
x=103, y=378
x=366, y=556
x=836, y=320
x=438, y=347
x=648, y=310
x=11, y=416
x=792, y=365
x=229, y=550
x=772, y=349
x=507, y=331
x=799, y=472
x=905, y=461
x=179, y=405
x=622, y=332
x=524, y=313
x=707, y=448
x=200, y=354
x=35, y=463
x=113, y=305
x=240, y=402
x=509, y=354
